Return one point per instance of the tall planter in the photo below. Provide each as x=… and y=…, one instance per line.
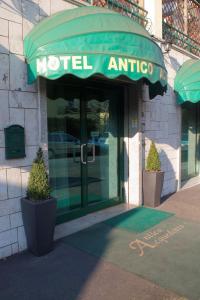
x=39, y=223
x=152, y=187
x=39, y=209
x=152, y=178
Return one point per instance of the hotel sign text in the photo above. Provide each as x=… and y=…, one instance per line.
x=54, y=63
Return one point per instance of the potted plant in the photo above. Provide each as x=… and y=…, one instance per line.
x=39, y=209
x=152, y=178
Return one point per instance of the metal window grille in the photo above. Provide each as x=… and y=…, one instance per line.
x=130, y=8
x=181, y=24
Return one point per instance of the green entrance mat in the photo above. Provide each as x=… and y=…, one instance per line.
x=138, y=219
x=167, y=254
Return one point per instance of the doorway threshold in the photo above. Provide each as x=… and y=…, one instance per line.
x=76, y=225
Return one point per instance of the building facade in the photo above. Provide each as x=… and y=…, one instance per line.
x=111, y=121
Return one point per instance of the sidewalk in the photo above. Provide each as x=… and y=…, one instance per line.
x=77, y=270
x=68, y=274
x=185, y=204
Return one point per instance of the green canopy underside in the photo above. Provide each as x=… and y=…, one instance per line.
x=92, y=40
x=187, y=82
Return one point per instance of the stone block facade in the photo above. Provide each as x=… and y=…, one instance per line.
x=19, y=105
x=162, y=124
x=24, y=104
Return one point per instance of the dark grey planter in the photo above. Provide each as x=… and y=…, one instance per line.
x=152, y=188
x=39, y=223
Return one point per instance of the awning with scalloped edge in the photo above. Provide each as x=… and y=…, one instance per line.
x=91, y=40
x=187, y=82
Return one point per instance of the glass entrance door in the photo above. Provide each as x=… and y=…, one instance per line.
x=64, y=144
x=84, y=145
x=190, y=141
x=102, y=120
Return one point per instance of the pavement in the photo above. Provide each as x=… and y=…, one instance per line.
x=70, y=272
x=185, y=204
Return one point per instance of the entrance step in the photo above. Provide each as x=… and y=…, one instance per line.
x=76, y=225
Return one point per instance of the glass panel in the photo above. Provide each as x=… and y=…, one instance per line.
x=189, y=164
x=64, y=146
x=83, y=143
x=198, y=140
x=102, y=135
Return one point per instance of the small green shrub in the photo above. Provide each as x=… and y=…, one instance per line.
x=38, y=184
x=153, y=160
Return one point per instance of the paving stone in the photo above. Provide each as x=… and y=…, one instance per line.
x=5, y=251
x=15, y=38
x=15, y=248
x=21, y=238
x=10, y=206
x=31, y=16
x=16, y=220
x=25, y=177
x=4, y=223
x=11, y=10
x=60, y=5
x=3, y=27
x=3, y=185
x=4, y=45
x=14, y=182
x=31, y=127
x=4, y=71
x=4, y=111
x=45, y=7
x=2, y=139
x=17, y=116
x=23, y=99
x=18, y=74
x=8, y=237
x=27, y=161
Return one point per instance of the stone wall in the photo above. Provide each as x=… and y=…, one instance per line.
x=162, y=123
x=18, y=105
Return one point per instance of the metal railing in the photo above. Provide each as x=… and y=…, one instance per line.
x=130, y=8
x=174, y=36
x=181, y=24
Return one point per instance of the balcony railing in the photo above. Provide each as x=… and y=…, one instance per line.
x=130, y=8
x=174, y=36
x=181, y=24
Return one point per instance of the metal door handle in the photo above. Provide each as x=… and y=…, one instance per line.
x=82, y=147
x=93, y=153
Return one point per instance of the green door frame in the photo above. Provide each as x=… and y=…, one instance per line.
x=196, y=108
x=85, y=209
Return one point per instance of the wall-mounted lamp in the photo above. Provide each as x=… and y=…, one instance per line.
x=166, y=47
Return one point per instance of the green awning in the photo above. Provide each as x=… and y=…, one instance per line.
x=187, y=82
x=91, y=40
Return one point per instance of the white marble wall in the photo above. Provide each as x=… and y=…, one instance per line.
x=18, y=105
x=162, y=123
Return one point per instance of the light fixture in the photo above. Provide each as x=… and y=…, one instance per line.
x=166, y=46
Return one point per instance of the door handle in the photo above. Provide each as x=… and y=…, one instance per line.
x=82, y=147
x=93, y=154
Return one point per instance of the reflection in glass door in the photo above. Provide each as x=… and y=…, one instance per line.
x=102, y=140
x=84, y=145
x=190, y=141
x=64, y=147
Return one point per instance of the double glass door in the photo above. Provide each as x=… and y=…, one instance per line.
x=84, y=144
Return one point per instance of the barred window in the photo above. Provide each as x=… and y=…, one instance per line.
x=181, y=24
